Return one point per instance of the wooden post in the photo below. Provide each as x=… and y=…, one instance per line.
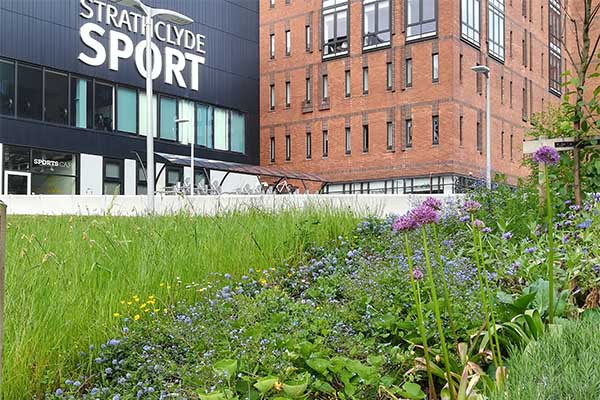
x=2, y=276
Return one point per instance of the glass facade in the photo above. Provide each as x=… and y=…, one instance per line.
x=56, y=98
x=168, y=116
x=82, y=101
x=127, y=110
x=103, y=106
x=113, y=177
x=377, y=22
x=470, y=21
x=421, y=18
x=7, y=87
x=335, y=28
x=29, y=92
x=221, y=119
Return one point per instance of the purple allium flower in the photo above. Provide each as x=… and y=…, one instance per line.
x=530, y=250
x=507, y=235
x=471, y=206
x=404, y=223
x=479, y=224
x=424, y=215
x=464, y=218
x=417, y=274
x=487, y=229
x=432, y=203
x=546, y=155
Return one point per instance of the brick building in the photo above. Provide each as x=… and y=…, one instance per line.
x=379, y=95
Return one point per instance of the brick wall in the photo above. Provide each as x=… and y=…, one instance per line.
x=457, y=94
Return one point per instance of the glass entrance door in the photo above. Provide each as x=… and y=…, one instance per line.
x=17, y=183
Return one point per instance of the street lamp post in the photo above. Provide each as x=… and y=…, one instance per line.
x=485, y=70
x=175, y=18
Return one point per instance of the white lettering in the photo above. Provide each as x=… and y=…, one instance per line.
x=115, y=52
x=88, y=40
x=136, y=22
x=189, y=40
x=174, y=68
x=99, y=6
x=156, y=32
x=90, y=12
x=124, y=20
x=169, y=31
x=200, y=43
x=111, y=16
x=178, y=35
x=195, y=62
x=140, y=52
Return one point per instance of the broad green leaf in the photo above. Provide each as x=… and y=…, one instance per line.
x=413, y=391
x=266, y=384
x=213, y=396
x=319, y=364
x=226, y=367
x=295, y=390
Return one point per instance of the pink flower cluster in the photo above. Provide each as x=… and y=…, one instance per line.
x=426, y=213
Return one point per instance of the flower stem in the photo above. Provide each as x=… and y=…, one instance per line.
x=550, y=248
x=482, y=288
x=436, y=311
x=444, y=281
x=417, y=297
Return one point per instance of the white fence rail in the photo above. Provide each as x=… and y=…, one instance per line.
x=380, y=204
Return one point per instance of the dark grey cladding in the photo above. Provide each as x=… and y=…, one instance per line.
x=46, y=33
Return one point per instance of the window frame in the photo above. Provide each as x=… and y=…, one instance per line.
x=20, y=65
x=288, y=42
x=272, y=148
x=67, y=117
x=347, y=140
x=272, y=97
x=324, y=88
x=159, y=136
x=554, y=48
x=390, y=137
x=335, y=7
x=475, y=38
x=325, y=138
x=421, y=22
x=347, y=83
x=308, y=38
x=435, y=68
x=408, y=75
x=137, y=107
x=308, y=145
x=308, y=89
x=365, y=80
x=408, y=133
x=12, y=103
x=435, y=130
x=288, y=148
x=288, y=94
x=365, y=138
x=389, y=75
x=496, y=13
x=365, y=35
x=120, y=180
x=272, y=46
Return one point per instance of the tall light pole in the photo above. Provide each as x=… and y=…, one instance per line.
x=175, y=18
x=485, y=70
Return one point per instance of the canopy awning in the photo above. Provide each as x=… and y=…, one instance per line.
x=228, y=166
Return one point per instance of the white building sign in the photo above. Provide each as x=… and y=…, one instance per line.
x=183, y=53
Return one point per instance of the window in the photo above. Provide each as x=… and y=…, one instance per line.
x=103, y=107
x=308, y=96
x=335, y=28
x=272, y=45
x=390, y=136
x=221, y=128
x=308, y=146
x=7, y=88
x=479, y=138
x=501, y=90
x=56, y=96
x=143, y=112
x=524, y=47
x=238, y=132
x=389, y=76
x=272, y=3
x=113, y=177
x=272, y=149
x=347, y=144
x=460, y=131
x=365, y=80
x=365, y=137
x=288, y=43
x=524, y=101
x=377, y=21
x=29, y=92
x=204, y=125
x=288, y=94
x=408, y=133
x=435, y=68
x=460, y=68
x=325, y=93
x=511, y=147
x=510, y=93
x=421, y=18
x=173, y=176
x=272, y=97
x=288, y=147
x=142, y=182
x=308, y=37
x=496, y=29
x=435, y=129
x=347, y=84
x=127, y=110
x=325, y=143
x=409, y=72
x=524, y=8
x=470, y=21
x=554, y=47
x=167, y=118
x=511, y=43
x=502, y=144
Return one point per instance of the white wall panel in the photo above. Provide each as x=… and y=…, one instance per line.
x=130, y=177
x=90, y=182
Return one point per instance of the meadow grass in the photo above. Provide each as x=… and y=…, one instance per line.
x=66, y=276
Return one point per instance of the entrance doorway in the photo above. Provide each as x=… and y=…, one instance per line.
x=17, y=183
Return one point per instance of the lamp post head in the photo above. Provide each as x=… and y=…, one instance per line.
x=481, y=69
x=166, y=15
x=181, y=120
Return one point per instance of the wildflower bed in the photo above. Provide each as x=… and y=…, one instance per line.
x=346, y=324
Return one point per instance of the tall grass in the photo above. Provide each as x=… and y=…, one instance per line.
x=66, y=276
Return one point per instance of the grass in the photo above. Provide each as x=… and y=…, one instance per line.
x=66, y=276
x=562, y=365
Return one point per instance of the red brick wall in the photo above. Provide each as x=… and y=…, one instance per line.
x=451, y=96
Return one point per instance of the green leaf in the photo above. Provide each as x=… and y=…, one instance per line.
x=266, y=384
x=413, y=391
x=319, y=364
x=376, y=361
x=295, y=390
x=226, y=367
x=213, y=396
